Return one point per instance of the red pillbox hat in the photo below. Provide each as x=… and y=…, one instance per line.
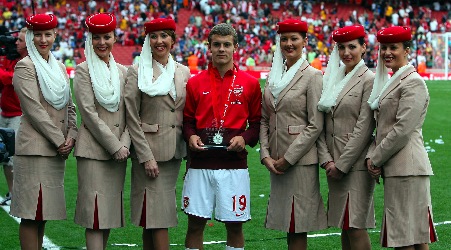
x=159, y=24
x=348, y=33
x=394, y=34
x=42, y=22
x=101, y=23
x=292, y=25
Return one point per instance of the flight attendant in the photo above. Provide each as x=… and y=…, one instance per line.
x=344, y=143
x=400, y=105
x=103, y=141
x=46, y=133
x=155, y=98
x=289, y=128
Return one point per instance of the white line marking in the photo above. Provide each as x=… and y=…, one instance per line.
x=47, y=244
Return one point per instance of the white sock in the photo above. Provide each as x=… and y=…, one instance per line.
x=191, y=248
x=234, y=248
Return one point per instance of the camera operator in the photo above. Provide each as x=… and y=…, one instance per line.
x=9, y=104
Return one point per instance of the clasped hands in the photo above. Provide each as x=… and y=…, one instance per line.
x=65, y=148
x=277, y=167
x=374, y=171
x=122, y=154
x=332, y=171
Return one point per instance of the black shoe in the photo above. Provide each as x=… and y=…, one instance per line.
x=6, y=201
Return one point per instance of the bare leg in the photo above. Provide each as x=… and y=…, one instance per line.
x=41, y=228
x=345, y=244
x=297, y=241
x=423, y=246
x=358, y=239
x=106, y=235
x=160, y=238
x=96, y=239
x=235, y=237
x=8, y=170
x=147, y=239
x=29, y=234
x=195, y=233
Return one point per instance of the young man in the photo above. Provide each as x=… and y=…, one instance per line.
x=222, y=114
x=10, y=105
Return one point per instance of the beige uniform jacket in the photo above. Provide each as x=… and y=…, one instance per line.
x=399, y=147
x=349, y=125
x=155, y=123
x=42, y=128
x=290, y=128
x=102, y=133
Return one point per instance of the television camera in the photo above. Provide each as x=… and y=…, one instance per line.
x=8, y=45
x=7, y=144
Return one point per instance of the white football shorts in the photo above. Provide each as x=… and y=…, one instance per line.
x=226, y=191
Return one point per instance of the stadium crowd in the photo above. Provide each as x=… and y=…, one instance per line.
x=255, y=22
x=166, y=113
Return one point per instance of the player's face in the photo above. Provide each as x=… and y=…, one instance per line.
x=222, y=49
x=161, y=44
x=351, y=53
x=291, y=44
x=43, y=40
x=103, y=44
x=394, y=55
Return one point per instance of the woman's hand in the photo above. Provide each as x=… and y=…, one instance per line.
x=122, y=154
x=281, y=165
x=151, y=168
x=333, y=172
x=374, y=171
x=269, y=164
x=65, y=148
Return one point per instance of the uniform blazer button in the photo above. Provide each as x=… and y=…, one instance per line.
x=116, y=125
x=173, y=126
x=62, y=121
x=172, y=110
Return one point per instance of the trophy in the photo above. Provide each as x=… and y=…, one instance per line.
x=215, y=137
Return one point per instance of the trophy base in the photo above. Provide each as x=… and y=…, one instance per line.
x=214, y=147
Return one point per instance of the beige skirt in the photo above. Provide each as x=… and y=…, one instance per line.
x=35, y=173
x=355, y=189
x=408, y=218
x=296, y=192
x=159, y=209
x=101, y=186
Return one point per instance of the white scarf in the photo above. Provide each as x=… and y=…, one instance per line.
x=105, y=81
x=165, y=82
x=278, y=77
x=51, y=78
x=334, y=81
x=382, y=82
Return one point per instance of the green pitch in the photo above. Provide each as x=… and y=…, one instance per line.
x=68, y=235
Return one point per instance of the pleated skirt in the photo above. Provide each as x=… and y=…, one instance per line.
x=38, y=178
x=100, y=193
x=295, y=203
x=352, y=194
x=153, y=200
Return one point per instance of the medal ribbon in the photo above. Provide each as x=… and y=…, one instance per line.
x=216, y=100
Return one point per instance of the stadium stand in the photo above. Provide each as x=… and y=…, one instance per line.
x=255, y=22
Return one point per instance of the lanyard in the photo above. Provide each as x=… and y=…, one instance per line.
x=215, y=98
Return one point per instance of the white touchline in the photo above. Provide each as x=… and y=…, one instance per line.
x=47, y=244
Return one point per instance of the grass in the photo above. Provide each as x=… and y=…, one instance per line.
x=71, y=236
